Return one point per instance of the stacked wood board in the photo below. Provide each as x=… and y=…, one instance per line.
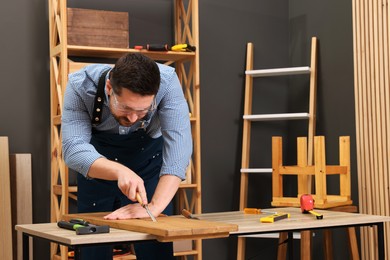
x=21, y=198
x=98, y=28
x=5, y=202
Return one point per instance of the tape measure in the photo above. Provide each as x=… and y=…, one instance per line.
x=307, y=206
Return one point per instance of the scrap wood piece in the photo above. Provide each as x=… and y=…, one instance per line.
x=165, y=229
x=5, y=201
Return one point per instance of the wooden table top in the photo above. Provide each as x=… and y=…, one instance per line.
x=52, y=232
x=247, y=224
x=250, y=223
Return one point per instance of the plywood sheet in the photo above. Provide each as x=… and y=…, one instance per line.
x=166, y=228
x=5, y=202
x=21, y=198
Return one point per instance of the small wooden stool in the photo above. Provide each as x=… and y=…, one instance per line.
x=304, y=171
x=319, y=170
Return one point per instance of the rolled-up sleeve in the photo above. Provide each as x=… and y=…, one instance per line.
x=76, y=127
x=174, y=118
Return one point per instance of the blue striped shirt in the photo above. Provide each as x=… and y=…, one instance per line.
x=171, y=120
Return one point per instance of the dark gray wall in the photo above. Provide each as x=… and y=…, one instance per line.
x=331, y=22
x=280, y=31
x=25, y=97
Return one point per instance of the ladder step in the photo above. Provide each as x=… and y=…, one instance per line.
x=257, y=170
x=278, y=72
x=268, y=117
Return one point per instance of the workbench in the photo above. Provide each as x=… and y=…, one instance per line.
x=248, y=224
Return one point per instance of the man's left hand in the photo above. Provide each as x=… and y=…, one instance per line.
x=127, y=212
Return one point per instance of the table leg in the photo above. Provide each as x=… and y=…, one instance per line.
x=306, y=244
x=381, y=243
x=26, y=247
x=290, y=245
x=77, y=253
x=328, y=244
x=282, y=246
x=353, y=244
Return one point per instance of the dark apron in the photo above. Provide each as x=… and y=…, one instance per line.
x=140, y=153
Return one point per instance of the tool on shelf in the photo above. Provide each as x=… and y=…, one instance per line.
x=83, y=229
x=183, y=47
x=274, y=217
x=257, y=211
x=188, y=214
x=307, y=206
x=145, y=206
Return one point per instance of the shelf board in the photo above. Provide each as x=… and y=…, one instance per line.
x=186, y=186
x=104, y=52
x=57, y=189
x=269, y=117
x=184, y=253
x=256, y=170
x=278, y=72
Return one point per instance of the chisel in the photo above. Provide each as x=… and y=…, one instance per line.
x=145, y=206
x=187, y=214
x=257, y=211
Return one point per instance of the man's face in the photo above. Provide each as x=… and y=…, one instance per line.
x=129, y=107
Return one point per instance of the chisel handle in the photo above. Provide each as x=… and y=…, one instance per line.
x=252, y=211
x=139, y=199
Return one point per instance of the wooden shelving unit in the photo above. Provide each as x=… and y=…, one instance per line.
x=186, y=23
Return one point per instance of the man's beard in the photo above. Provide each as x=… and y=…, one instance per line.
x=123, y=121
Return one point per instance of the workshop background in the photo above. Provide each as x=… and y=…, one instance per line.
x=281, y=32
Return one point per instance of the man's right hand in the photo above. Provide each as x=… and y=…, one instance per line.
x=128, y=181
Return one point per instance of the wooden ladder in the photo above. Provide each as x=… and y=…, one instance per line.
x=249, y=118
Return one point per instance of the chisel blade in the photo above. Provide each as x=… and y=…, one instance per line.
x=145, y=206
x=149, y=213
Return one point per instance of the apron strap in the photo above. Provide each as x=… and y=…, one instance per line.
x=99, y=98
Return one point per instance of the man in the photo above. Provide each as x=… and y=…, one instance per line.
x=126, y=130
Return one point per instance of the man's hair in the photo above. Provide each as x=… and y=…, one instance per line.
x=136, y=73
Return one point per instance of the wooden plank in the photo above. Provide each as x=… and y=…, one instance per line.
x=5, y=202
x=345, y=160
x=310, y=170
x=302, y=163
x=277, y=161
x=312, y=106
x=166, y=228
x=21, y=199
x=320, y=169
x=246, y=136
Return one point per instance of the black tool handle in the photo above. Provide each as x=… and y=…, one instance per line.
x=66, y=225
x=157, y=47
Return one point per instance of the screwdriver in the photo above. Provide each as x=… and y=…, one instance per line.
x=257, y=211
x=145, y=206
